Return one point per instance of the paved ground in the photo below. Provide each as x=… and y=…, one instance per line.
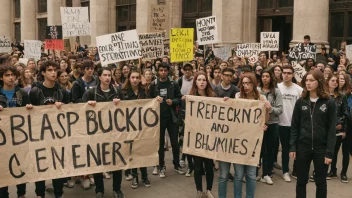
x=179, y=186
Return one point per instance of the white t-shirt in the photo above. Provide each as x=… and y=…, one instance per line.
x=289, y=97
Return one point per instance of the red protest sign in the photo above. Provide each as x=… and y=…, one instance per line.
x=54, y=44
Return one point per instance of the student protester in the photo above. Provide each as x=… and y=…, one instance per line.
x=12, y=96
x=116, y=77
x=49, y=92
x=313, y=133
x=320, y=67
x=104, y=92
x=248, y=91
x=148, y=78
x=344, y=83
x=125, y=71
x=26, y=80
x=76, y=71
x=290, y=93
x=327, y=71
x=217, y=78
x=277, y=71
x=201, y=87
x=31, y=65
x=309, y=64
x=82, y=84
x=273, y=95
x=341, y=129
x=64, y=65
x=134, y=90
x=170, y=98
x=185, y=83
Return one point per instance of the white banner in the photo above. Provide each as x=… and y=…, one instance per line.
x=223, y=52
x=120, y=46
x=5, y=44
x=207, y=32
x=248, y=49
x=75, y=21
x=32, y=49
x=152, y=44
x=269, y=41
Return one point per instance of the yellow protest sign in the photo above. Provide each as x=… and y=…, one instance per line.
x=181, y=44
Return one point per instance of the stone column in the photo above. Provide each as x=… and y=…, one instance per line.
x=5, y=19
x=99, y=19
x=250, y=21
x=229, y=15
x=311, y=18
x=28, y=20
x=54, y=14
x=143, y=15
x=175, y=17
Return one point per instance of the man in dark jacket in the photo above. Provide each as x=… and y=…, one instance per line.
x=105, y=92
x=170, y=97
x=12, y=96
x=83, y=83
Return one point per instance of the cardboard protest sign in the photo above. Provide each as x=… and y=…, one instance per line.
x=207, y=31
x=300, y=52
x=253, y=59
x=118, y=47
x=32, y=49
x=300, y=71
x=269, y=41
x=349, y=52
x=46, y=142
x=159, y=18
x=223, y=52
x=5, y=44
x=230, y=131
x=152, y=44
x=248, y=49
x=181, y=44
x=53, y=38
x=75, y=21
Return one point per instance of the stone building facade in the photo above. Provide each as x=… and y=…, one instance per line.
x=328, y=22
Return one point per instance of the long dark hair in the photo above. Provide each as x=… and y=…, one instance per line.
x=336, y=90
x=253, y=79
x=208, y=90
x=272, y=81
x=321, y=89
x=273, y=71
x=127, y=83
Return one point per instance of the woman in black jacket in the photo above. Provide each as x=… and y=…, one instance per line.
x=341, y=128
x=133, y=90
x=313, y=133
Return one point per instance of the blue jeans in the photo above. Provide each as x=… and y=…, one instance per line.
x=250, y=180
x=223, y=178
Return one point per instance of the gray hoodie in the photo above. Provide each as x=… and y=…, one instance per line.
x=276, y=103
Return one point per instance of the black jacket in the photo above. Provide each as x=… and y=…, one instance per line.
x=316, y=132
x=36, y=96
x=341, y=112
x=130, y=95
x=20, y=96
x=173, y=93
x=78, y=89
x=95, y=93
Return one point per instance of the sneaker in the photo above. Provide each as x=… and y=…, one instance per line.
x=277, y=166
x=267, y=179
x=70, y=183
x=162, y=172
x=155, y=170
x=294, y=175
x=331, y=175
x=129, y=177
x=85, y=183
x=344, y=178
x=286, y=177
x=134, y=183
x=230, y=177
x=200, y=194
x=99, y=195
x=189, y=172
x=179, y=170
x=91, y=180
x=118, y=194
x=311, y=178
x=208, y=194
x=106, y=175
x=146, y=183
x=182, y=163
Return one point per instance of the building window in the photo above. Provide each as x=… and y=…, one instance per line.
x=17, y=32
x=340, y=23
x=125, y=15
x=69, y=3
x=85, y=3
x=273, y=7
x=17, y=9
x=42, y=6
x=42, y=23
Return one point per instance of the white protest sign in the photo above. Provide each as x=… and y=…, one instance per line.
x=269, y=41
x=223, y=52
x=5, y=44
x=300, y=71
x=120, y=46
x=253, y=59
x=152, y=44
x=75, y=21
x=248, y=49
x=349, y=52
x=32, y=49
x=23, y=60
x=207, y=32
